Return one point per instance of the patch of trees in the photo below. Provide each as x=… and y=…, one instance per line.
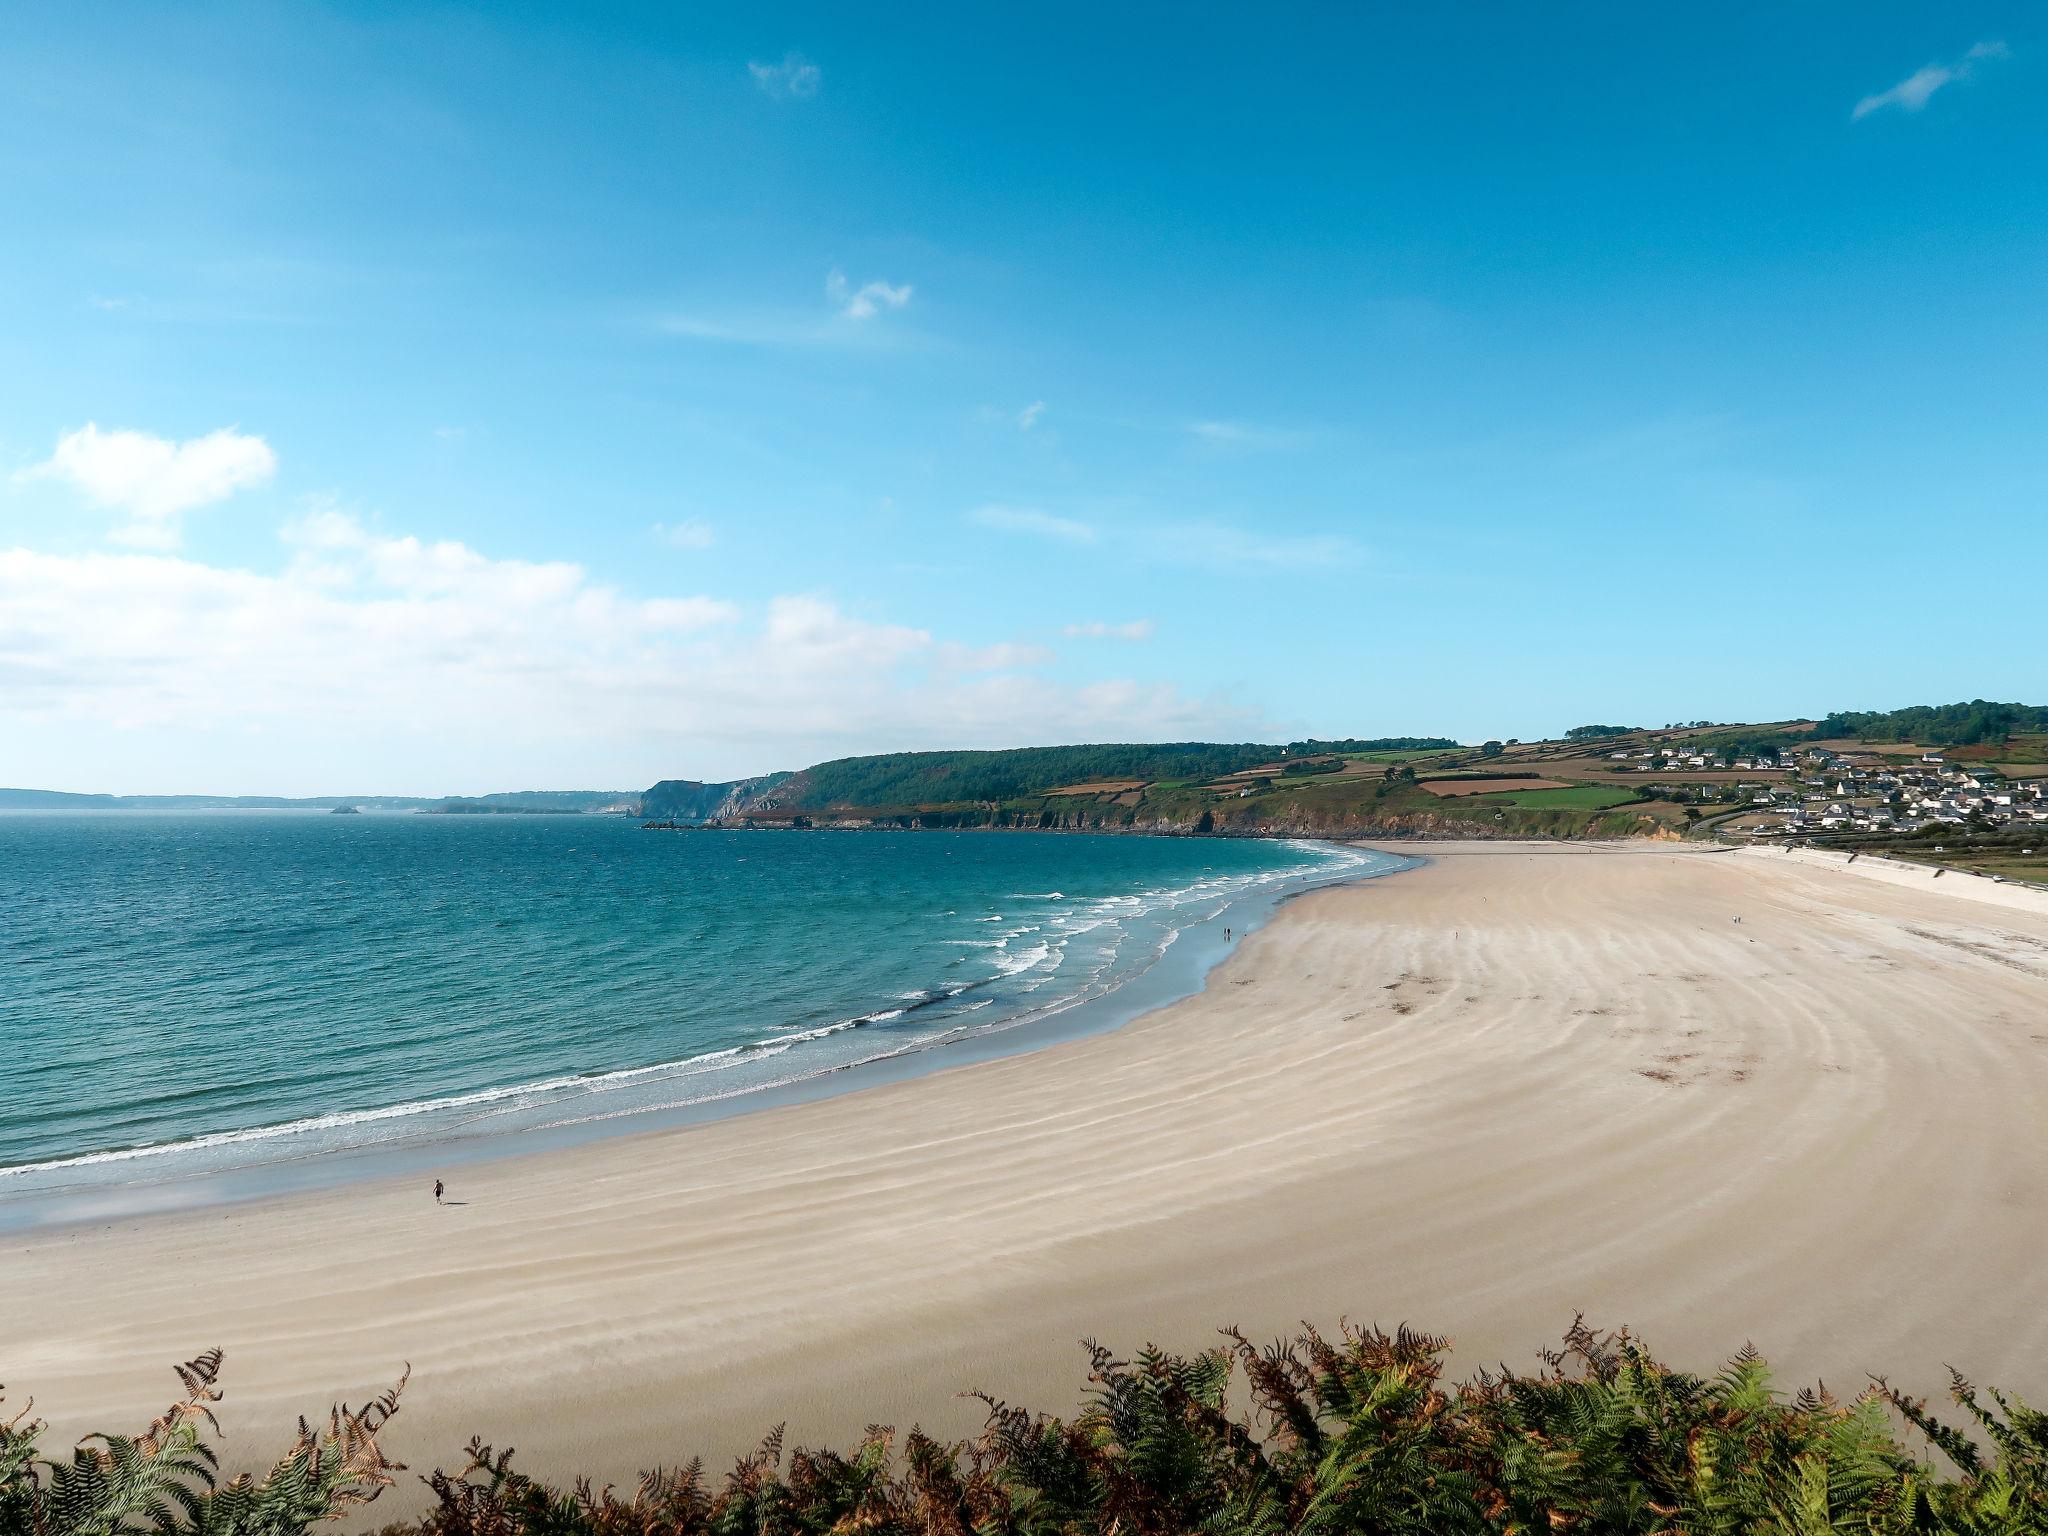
x=1738, y=742
x=1939, y=725
x=921, y=778
x=1598, y=732
x=1372, y=744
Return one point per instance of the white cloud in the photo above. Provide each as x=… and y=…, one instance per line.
x=809, y=634
x=153, y=479
x=1097, y=629
x=795, y=77
x=1918, y=88
x=1030, y=520
x=864, y=302
x=371, y=660
x=685, y=535
x=1028, y=417
x=686, y=614
x=1003, y=656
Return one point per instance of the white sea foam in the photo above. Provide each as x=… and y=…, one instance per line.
x=1022, y=960
x=553, y=1096
x=345, y=1119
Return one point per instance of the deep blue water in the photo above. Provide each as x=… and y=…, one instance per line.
x=191, y=992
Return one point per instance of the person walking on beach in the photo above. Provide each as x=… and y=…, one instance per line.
x=437, y=1191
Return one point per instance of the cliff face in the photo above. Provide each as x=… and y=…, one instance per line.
x=1419, y=825
x=1376, y=794
x=695, y=800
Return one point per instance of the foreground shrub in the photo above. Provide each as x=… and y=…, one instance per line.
x=1352, y=1433
x=165, y=1479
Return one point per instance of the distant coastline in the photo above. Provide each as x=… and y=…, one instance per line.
x=581, y=801
x=1949, y=770
x=1324, y=834
x=1378, y=831
x=503, y=810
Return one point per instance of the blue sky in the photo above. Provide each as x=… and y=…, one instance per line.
x=415, y=398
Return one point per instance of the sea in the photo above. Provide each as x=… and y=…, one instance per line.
x=200, y=1005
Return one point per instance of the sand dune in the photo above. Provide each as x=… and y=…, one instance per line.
x=1480, y=1096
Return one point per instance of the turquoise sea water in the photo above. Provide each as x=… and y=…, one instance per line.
x=187, y=993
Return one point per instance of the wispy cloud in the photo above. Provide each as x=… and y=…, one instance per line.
x=1228, y=548
x=1918, y=88
x=1030, y=520
x=1003, y=656
x=1201, y=542
x=796, y=77
x=866, y=301
x=848, y=322
x=685, y=535
x=153, y=479
x=756, y=329
x=1245, y=437
x=1028, y=417
x=1097, y=629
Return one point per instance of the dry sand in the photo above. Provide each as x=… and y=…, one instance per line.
x=1479, y=1096
x=2019, y=896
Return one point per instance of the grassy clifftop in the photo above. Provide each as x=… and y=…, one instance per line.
x=1394, y=788
x=956, y=778
x=1591, y=782
x=899, y=779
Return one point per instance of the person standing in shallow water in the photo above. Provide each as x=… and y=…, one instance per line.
x=437, y=1191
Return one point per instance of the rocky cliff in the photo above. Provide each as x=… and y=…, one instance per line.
x=695, y=800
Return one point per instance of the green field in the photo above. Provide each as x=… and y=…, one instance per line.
x=1580, y=797
x=1399, y=755
x=2009, y=862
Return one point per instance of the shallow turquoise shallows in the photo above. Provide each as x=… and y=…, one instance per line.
x=183, y=992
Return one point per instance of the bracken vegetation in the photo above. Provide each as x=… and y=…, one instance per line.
x=166, y=1479
x=1352, y=1433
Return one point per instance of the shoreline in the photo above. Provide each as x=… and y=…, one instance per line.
x=1362, y=835
x=1511, y=1084
x=1180, y=971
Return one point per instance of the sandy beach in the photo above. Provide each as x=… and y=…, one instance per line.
x=1717, y=1096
